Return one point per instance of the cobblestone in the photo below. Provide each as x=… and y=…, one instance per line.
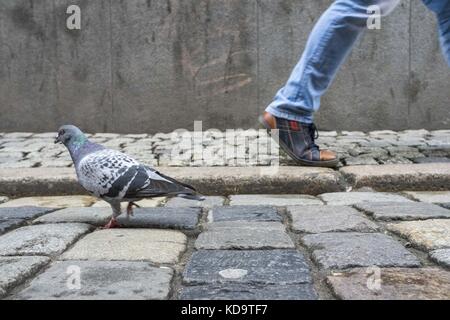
x=441, y=256
x=348, y=250
x=388, y=211
x=239, y=291
x=351, y=198
x=243, y=213
x=101, y=280
x=41, y=239
x=428, y=234
x=175, y=218
x=23, y=213
x=176, y=149
x=439, y=197
x=244, y=235
x=51, y=202
x=261, y=266
x=15, y=270
x=318, y=219
x=90, y=215
x=209, y=202
x=276, y=251
x=157, y=246
x=395, y=284
x=273, y=200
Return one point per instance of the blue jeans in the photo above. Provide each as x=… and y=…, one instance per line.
x=329, y=44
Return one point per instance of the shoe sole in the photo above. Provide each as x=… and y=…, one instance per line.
x=326, y=164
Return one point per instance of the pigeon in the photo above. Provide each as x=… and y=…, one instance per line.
x=116, y=177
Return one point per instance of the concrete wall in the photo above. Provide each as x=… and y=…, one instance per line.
x=158, y=65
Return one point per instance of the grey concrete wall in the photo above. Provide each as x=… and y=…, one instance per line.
x=158, y=65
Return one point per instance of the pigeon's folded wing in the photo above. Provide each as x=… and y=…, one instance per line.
x=100, y=171
x=112, y=174
x=149, y=183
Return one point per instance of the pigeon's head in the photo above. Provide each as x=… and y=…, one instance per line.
x=68, y=134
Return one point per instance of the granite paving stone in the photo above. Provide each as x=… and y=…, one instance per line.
x=361, y=160
x=243, y=213
x=15, y=270
x=395, y=284
x=395, y=147
x=175, y=218
x=242, y=291
x=388, y=211
x=3, y=199
x=350, y=249
x=51, y=201
x=432, y=160
x=90, y=215
x=318, y=219
x=441, y=256
x=244, y=235
x=6, y=225
x=351, y=198
x=157, y=246
x=48, y=239
x=273, y=200
x=24, y=213
x=100, y=280
x=179, y=218
x=439, y=197
x=247, y=266
x=429, y=234
x=208, y=203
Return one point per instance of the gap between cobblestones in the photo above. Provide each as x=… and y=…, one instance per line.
x=323, y=291
x=192, y=235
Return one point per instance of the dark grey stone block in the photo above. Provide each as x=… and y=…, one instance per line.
x=245, y=213
x=6, y=225
x=318, y=219
x=14, y=213
x=244, y=235
x=348, y=250
x=431, y=160
x=247, y=266
x=240, y=291
x=389, y=211
x=174, y=218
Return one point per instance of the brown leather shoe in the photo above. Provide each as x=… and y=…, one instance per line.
x=297, y=140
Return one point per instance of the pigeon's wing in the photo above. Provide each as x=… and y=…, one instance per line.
x=98, y=171
x=112, y=174
x=150, y=183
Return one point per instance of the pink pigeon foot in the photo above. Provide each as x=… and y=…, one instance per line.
x=112, y=224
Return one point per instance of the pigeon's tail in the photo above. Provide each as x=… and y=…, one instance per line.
x=191, y=196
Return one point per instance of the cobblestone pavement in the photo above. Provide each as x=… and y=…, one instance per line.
x=358, y=245
x=232, y=148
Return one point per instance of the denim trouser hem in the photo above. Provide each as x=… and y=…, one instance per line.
x=329, y=44
x=289, y=116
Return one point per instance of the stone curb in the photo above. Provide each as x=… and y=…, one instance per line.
x=208, y=180
x=398, y=177
x=248, y=180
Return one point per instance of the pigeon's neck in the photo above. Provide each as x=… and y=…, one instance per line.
x=80, y=147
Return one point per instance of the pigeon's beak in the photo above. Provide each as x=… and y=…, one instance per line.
x=57, y=140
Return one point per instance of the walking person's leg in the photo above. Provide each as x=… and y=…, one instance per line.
x=328, y=45
x=442, y=10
